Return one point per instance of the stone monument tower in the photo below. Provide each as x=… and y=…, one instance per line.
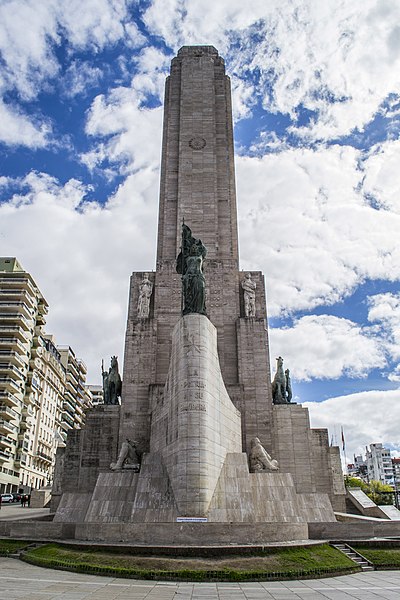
x=197, y=408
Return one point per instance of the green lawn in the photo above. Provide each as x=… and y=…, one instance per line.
x=307, y=561
x=11, y=546
x=381, y=557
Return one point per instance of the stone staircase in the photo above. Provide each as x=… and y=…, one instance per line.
x=353, y=555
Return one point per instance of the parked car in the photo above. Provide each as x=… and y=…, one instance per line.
x=7, y=498
x=16, y=497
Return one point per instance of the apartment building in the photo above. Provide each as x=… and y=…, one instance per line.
x=22, y=318
x=96, y=392
x=42, y=387
x=379, y=464
x=77, y=398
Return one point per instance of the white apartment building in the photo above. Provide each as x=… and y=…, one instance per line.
x=77, y=398
x=379, y=464
x=22, y=317
x=96, y=392
x=42, y=388
x=46, y=382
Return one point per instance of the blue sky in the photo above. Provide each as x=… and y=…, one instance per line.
x=316, y=100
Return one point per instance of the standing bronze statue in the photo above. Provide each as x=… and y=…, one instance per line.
x=190, y=265
x=112, y=383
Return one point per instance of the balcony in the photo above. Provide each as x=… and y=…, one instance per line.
x=9, y=399
x=17, y=283
x=8, y=413
x=18, y=306
x=14, y=330
x=12, y=343
x=20, y=459
x=9, y=384
x=43, y=456
x=13, y=357
x=67, y=418
x=25, y=424
x=28, y=411
x=9, y=370
x=5, y=456
x=6, y=427
x=6, y=441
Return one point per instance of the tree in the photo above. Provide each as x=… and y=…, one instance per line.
x=380, y=493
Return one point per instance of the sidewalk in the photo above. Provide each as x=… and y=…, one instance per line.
x=14, y=511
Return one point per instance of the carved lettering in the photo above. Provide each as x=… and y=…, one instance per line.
x=193, y=406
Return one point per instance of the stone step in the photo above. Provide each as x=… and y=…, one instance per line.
x=354, y=556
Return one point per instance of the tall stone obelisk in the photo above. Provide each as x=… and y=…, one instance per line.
x=197, y=388
x=198, y=186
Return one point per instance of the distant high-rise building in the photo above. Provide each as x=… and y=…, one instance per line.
x=379, y=464
x=42, y=387
x=22, y=317
x=77, y=399
x=97, y=394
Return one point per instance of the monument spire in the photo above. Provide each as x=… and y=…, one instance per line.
x=197, y=167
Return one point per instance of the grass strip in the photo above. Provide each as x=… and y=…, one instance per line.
x=291, y=563
x=381, y=558
x=8, y=547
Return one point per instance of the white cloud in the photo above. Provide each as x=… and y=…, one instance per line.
x=133, y=134
x=79, y=77
x=335, y=58
x=384, y=311
x=366, y=417
x=29, y=33
x=304, y=222
x=327, y=347
x=382, y=179
x=85, y=256
x=17, y=128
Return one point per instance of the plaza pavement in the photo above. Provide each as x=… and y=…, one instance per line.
x=19, y=581
x=14, y=511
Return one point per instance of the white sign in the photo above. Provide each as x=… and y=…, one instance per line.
x=191, y=519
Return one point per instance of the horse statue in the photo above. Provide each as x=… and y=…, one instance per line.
x=112, y=383
x=281, y=385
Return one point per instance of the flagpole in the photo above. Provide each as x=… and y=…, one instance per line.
x=344, y=450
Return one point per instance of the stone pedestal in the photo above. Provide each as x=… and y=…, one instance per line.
x=196, y=424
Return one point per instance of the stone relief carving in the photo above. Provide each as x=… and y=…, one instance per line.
x=259, y=458
x=249, y=294
x=145, y=291
x=128, y=457
x=190, y=266
x=281, y=385
x=112, y=383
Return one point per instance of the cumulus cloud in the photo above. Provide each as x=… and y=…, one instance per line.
x=305, y=221
x=132, y=133
x=327, y=347
x=29, y=33
x=87, y=253
x=366, y=417
x=79, y=77
x=302, y=54
x=17, y=128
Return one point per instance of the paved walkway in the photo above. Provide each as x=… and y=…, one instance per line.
x=19, y=581
x=14, y=511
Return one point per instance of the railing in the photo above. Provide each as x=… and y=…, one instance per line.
x=8, y=426
x=8, y=411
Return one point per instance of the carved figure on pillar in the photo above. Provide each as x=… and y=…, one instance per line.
x=112, y=383
x=259, y=459
x=289, y=394
x=249, y=294
x=281, y=385
x=190, y=265
x=145, y=291
x=128, y=457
